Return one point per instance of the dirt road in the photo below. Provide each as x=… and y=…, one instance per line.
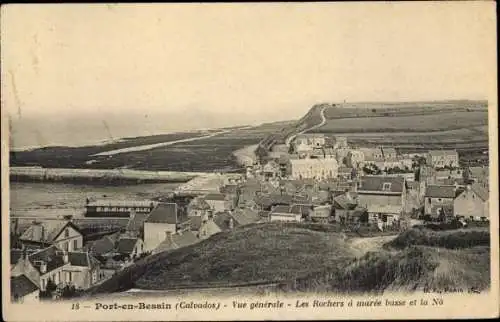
x=323, y=121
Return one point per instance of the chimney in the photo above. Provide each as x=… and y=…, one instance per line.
x=43, y=267
x=38, y=231
x=65, y=257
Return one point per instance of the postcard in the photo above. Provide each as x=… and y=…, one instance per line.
x=249, y=161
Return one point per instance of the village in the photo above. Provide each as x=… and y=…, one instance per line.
x=315, y=179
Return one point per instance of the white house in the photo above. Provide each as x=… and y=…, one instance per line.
x=313, y=168
x=61, y=233
x=442, y=158
x=283, y=213
x=63, y=268
x=217, y=201
x=473, y=203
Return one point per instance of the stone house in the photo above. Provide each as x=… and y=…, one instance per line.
x=162, y=220
x=472, y=203
x=439, y=198
x=381, y=191
x=442, y=158
x=61, y=233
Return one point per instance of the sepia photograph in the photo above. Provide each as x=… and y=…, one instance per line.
x=249, y=161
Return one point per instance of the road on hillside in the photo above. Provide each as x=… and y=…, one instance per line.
x=323, y=121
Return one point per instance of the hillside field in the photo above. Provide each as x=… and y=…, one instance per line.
x=314, y=259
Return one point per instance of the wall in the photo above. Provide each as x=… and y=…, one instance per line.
x=155, y=233
x=436, y=202
x=73, y=235
x=285, y=217
x=469, y=204
x=373, y=199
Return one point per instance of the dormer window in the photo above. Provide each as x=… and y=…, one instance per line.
x=386, y=186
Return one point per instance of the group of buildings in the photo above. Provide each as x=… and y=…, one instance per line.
x=318, y=179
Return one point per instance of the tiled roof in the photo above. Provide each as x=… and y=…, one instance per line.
x=164, y=213
x=195, y=222
x=436, y=191
x=21, y=286
x=481, y=191
x=136, y=223
x=246, y=216
x=281, y=209
x=300, y=209
x=343, y=202
x=102, y=246
x=222, y=220
x=126, y=245
x=376, y=184
x=177, y=241
x=81, y=259
x=50, y=229
x=52, y=256
x=15, y=256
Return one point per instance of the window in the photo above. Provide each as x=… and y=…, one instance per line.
x=43, y=284
x=439, y=199
x=69, y=277
x=65, y=246
x=66, y=233
x=386, y=186
x=429, y=199
x=75, y=244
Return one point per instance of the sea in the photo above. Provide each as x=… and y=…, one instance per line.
x=51, y=200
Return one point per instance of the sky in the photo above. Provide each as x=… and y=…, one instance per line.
x=257, y=61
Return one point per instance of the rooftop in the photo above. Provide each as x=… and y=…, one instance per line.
x=21, y=286
x=126, y=245
x=48, y=232
x=384, y=184
x=121, y=203
x=215, y=196
x=52, y=256
x=440, y=191
x=165, y=213
x=136, y=223
x=481, y=191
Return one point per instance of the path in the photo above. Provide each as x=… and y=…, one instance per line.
x=323, y=121
x=157, y=145
x=364, y=245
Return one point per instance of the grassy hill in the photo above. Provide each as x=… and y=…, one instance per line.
x=302, y=258
x=409, y=126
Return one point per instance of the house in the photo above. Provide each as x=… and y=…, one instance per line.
x=313, y=168
x=340, y=142
x=176, y=241
x=61, y=233
x=472, y=203
x=103, y=248
x=311, y=139
x=83, y=270
x=442, y=158
x=355, y=158
x=381, y=191
x=477, y=174
x=271, y=169
x=162, y=220
x=388, y=215
x=449, y=174
x=345, y=173
x=130, y=247
x=321, y=214
x=217, y=202
x=343, y=205
x=135, y=225
x=117, y=208
x=23, y=290
x=199, y=207
x=79, y=269
x=437, y=197
x=305, y=210
x=283, y=213
x=225, y=221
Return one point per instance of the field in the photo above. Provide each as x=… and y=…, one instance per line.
x=435, y=122
x=211, y=154
x=304, y=258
